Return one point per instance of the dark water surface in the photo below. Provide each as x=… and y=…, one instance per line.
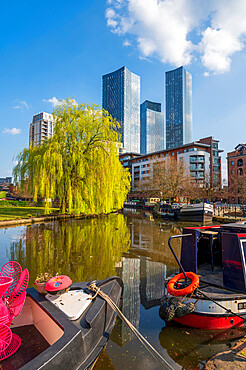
x=133, y=246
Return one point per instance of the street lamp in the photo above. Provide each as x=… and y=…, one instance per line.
x=161, y=195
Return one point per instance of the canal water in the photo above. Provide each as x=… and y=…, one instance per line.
x=133, y=246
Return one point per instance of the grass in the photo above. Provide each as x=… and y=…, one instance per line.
x=13, y=213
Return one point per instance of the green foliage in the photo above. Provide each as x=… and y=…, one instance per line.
x=2, y=194
x=79, y=164
x=84, y=251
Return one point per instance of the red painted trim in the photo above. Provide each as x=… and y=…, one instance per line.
x=202, y=227
x=209, y=322
x=241, y=235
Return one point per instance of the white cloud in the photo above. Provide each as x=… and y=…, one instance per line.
x=165, y=29
x=12, y=131
x=54, y=101
x=21, y=104
x=126, y=43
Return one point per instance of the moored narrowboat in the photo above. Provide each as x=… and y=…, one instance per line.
x=216, y=256
x=65, y=331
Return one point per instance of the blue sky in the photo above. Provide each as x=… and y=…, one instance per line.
x=59, y=49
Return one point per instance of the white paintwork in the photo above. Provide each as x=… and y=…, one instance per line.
x=72, y=303
x=197, y=207
x=207, y=307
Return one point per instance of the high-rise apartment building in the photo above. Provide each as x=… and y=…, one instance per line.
x=121, y=98
x=151, y=127
x=215, y=161
x=178, y=108
x=41, y=128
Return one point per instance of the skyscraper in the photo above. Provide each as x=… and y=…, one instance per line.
x=178, y=107
x=121, y=98
x=151, y=127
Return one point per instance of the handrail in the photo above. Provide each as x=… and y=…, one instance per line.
x=177, y=260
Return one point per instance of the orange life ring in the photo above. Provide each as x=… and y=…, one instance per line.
x=187, y=290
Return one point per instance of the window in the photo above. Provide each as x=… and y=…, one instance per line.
x=232, y=163
x=172, y=153
x=240, y=171
x=184, y=150
x=240, y=162
x=232, y=172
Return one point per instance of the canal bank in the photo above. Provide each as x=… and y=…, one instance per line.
x=47, y=218
x=235, y=358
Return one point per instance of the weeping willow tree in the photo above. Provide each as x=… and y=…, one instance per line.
x=79, y=164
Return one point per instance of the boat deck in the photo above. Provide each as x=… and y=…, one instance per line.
x=211, y=283
x=32, y=344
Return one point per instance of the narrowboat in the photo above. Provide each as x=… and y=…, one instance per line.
x=210, y=291
x=165, y=210
x=150, y=203
x=64, y=331
x=199, y=212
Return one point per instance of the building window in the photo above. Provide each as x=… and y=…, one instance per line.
x=240, y=171
x=232, y=172
x=232, y=163
x=240, y=162
x=172, y=153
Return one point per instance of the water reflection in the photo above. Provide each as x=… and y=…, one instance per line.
x=135, y=247
x=191, y=348
x=83, y=250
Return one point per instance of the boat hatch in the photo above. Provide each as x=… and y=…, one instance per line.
x=222, y=250
x=73, y=303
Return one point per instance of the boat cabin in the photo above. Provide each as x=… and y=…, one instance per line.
x=217, y=254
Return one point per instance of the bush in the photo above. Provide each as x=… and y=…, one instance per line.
x=2, y=194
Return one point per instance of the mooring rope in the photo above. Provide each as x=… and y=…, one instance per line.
x=146, y=344
x=220, y=305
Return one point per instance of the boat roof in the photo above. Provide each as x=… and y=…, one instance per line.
x=228, y=241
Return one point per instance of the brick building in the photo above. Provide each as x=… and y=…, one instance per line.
x=236, y=166
x=197, y=155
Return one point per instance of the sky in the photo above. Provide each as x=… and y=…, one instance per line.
x=51, y=50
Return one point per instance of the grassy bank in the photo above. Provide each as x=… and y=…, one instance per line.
x=13, y=213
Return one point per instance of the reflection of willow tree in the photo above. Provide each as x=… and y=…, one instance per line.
x=83, y=250
x=17, y=252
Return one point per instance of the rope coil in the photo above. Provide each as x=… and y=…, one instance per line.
x=93, y=287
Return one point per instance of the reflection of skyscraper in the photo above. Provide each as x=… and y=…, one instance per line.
x=129, y=271
x=152, y=127
x=131, y=295
x=121, y=98
x=153, y=275
x=178, y=107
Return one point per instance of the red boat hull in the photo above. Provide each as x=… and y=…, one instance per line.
x=209, y=322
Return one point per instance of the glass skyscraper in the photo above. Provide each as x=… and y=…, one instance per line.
x=178, y=108
x=151, y=127
x=121, y=98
